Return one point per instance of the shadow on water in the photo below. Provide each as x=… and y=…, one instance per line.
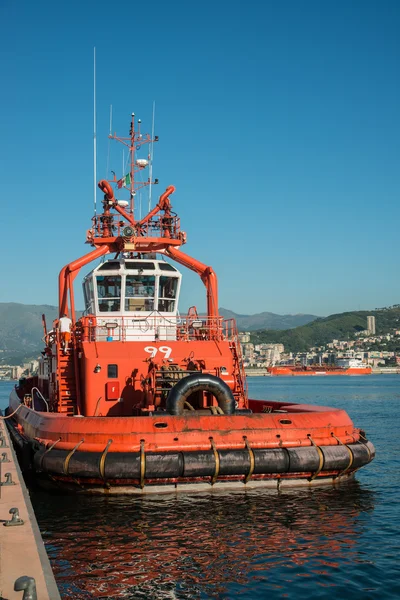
x=216, y=545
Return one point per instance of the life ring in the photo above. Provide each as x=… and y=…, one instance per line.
x=196, y=383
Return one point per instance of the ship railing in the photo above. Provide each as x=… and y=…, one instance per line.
x=232, y=334
x=39, y=393
x=155, y=327
x=160, y=226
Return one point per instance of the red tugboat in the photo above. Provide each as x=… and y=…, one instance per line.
x=344, y=366
x=146, y=400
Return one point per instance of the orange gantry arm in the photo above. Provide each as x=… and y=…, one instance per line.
x=108, y=191
x=68, y=274
x=207, y=275
x=163, y=204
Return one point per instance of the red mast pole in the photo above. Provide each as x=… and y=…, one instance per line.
x=132, y=173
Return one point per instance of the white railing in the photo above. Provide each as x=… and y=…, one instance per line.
x=155, y=327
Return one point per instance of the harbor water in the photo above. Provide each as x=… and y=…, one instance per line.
x=341, y=541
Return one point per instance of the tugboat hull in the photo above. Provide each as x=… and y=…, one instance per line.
x=292, y=444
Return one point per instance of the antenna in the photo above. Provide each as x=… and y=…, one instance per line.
x=132, y=168
x=109, y=141
x=94, y=132
x=151, y=154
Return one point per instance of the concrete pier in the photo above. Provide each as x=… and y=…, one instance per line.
x=22, y=552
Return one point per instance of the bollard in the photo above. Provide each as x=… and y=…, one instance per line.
x=15, y=519
x=8, y=480
x=27, y=585
x=3, y=443
x=4, y=457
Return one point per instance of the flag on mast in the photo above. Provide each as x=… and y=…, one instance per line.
x=124, y=181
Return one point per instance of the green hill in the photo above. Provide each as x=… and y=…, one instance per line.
x=266, y=320
x=21, y=330
x=320, y=332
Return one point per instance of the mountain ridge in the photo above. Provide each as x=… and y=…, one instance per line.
x=267, y=320
x=21, y=329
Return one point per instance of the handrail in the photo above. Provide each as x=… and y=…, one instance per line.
x=152, y=228
x=42, y=397
x=206, y=328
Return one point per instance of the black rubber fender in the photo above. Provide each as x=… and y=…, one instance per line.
x=361, y=455
x=303, y=459
x=164, y=465
x=337, y=457
x=196, y=383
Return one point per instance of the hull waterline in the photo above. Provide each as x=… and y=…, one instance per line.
x=296, y=445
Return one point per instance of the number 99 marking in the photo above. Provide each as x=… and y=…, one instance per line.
x=152, y=350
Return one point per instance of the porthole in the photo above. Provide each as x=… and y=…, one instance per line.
x=112, y=371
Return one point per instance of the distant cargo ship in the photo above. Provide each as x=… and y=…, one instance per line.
x=344, y=366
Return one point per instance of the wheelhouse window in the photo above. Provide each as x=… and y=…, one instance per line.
x=167, y=293
x=109, y=292
x=88, y=295
x=164, y=266
x=139, y=292
x=109, y=266
x=136, y=265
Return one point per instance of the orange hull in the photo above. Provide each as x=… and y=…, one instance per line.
x=160, y=432
x=97, y=455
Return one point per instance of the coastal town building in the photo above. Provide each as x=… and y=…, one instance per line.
x=17, y=371
x=371, y=325
x=368, y=347
x=244, y=338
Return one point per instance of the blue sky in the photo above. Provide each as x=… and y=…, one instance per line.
x=278, y=123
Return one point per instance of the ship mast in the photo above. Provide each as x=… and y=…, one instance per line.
x=134, y=142
x=132, y=172
x=159, y=231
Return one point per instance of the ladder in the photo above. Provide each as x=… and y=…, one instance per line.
x=240, y=375
x=66, y=389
